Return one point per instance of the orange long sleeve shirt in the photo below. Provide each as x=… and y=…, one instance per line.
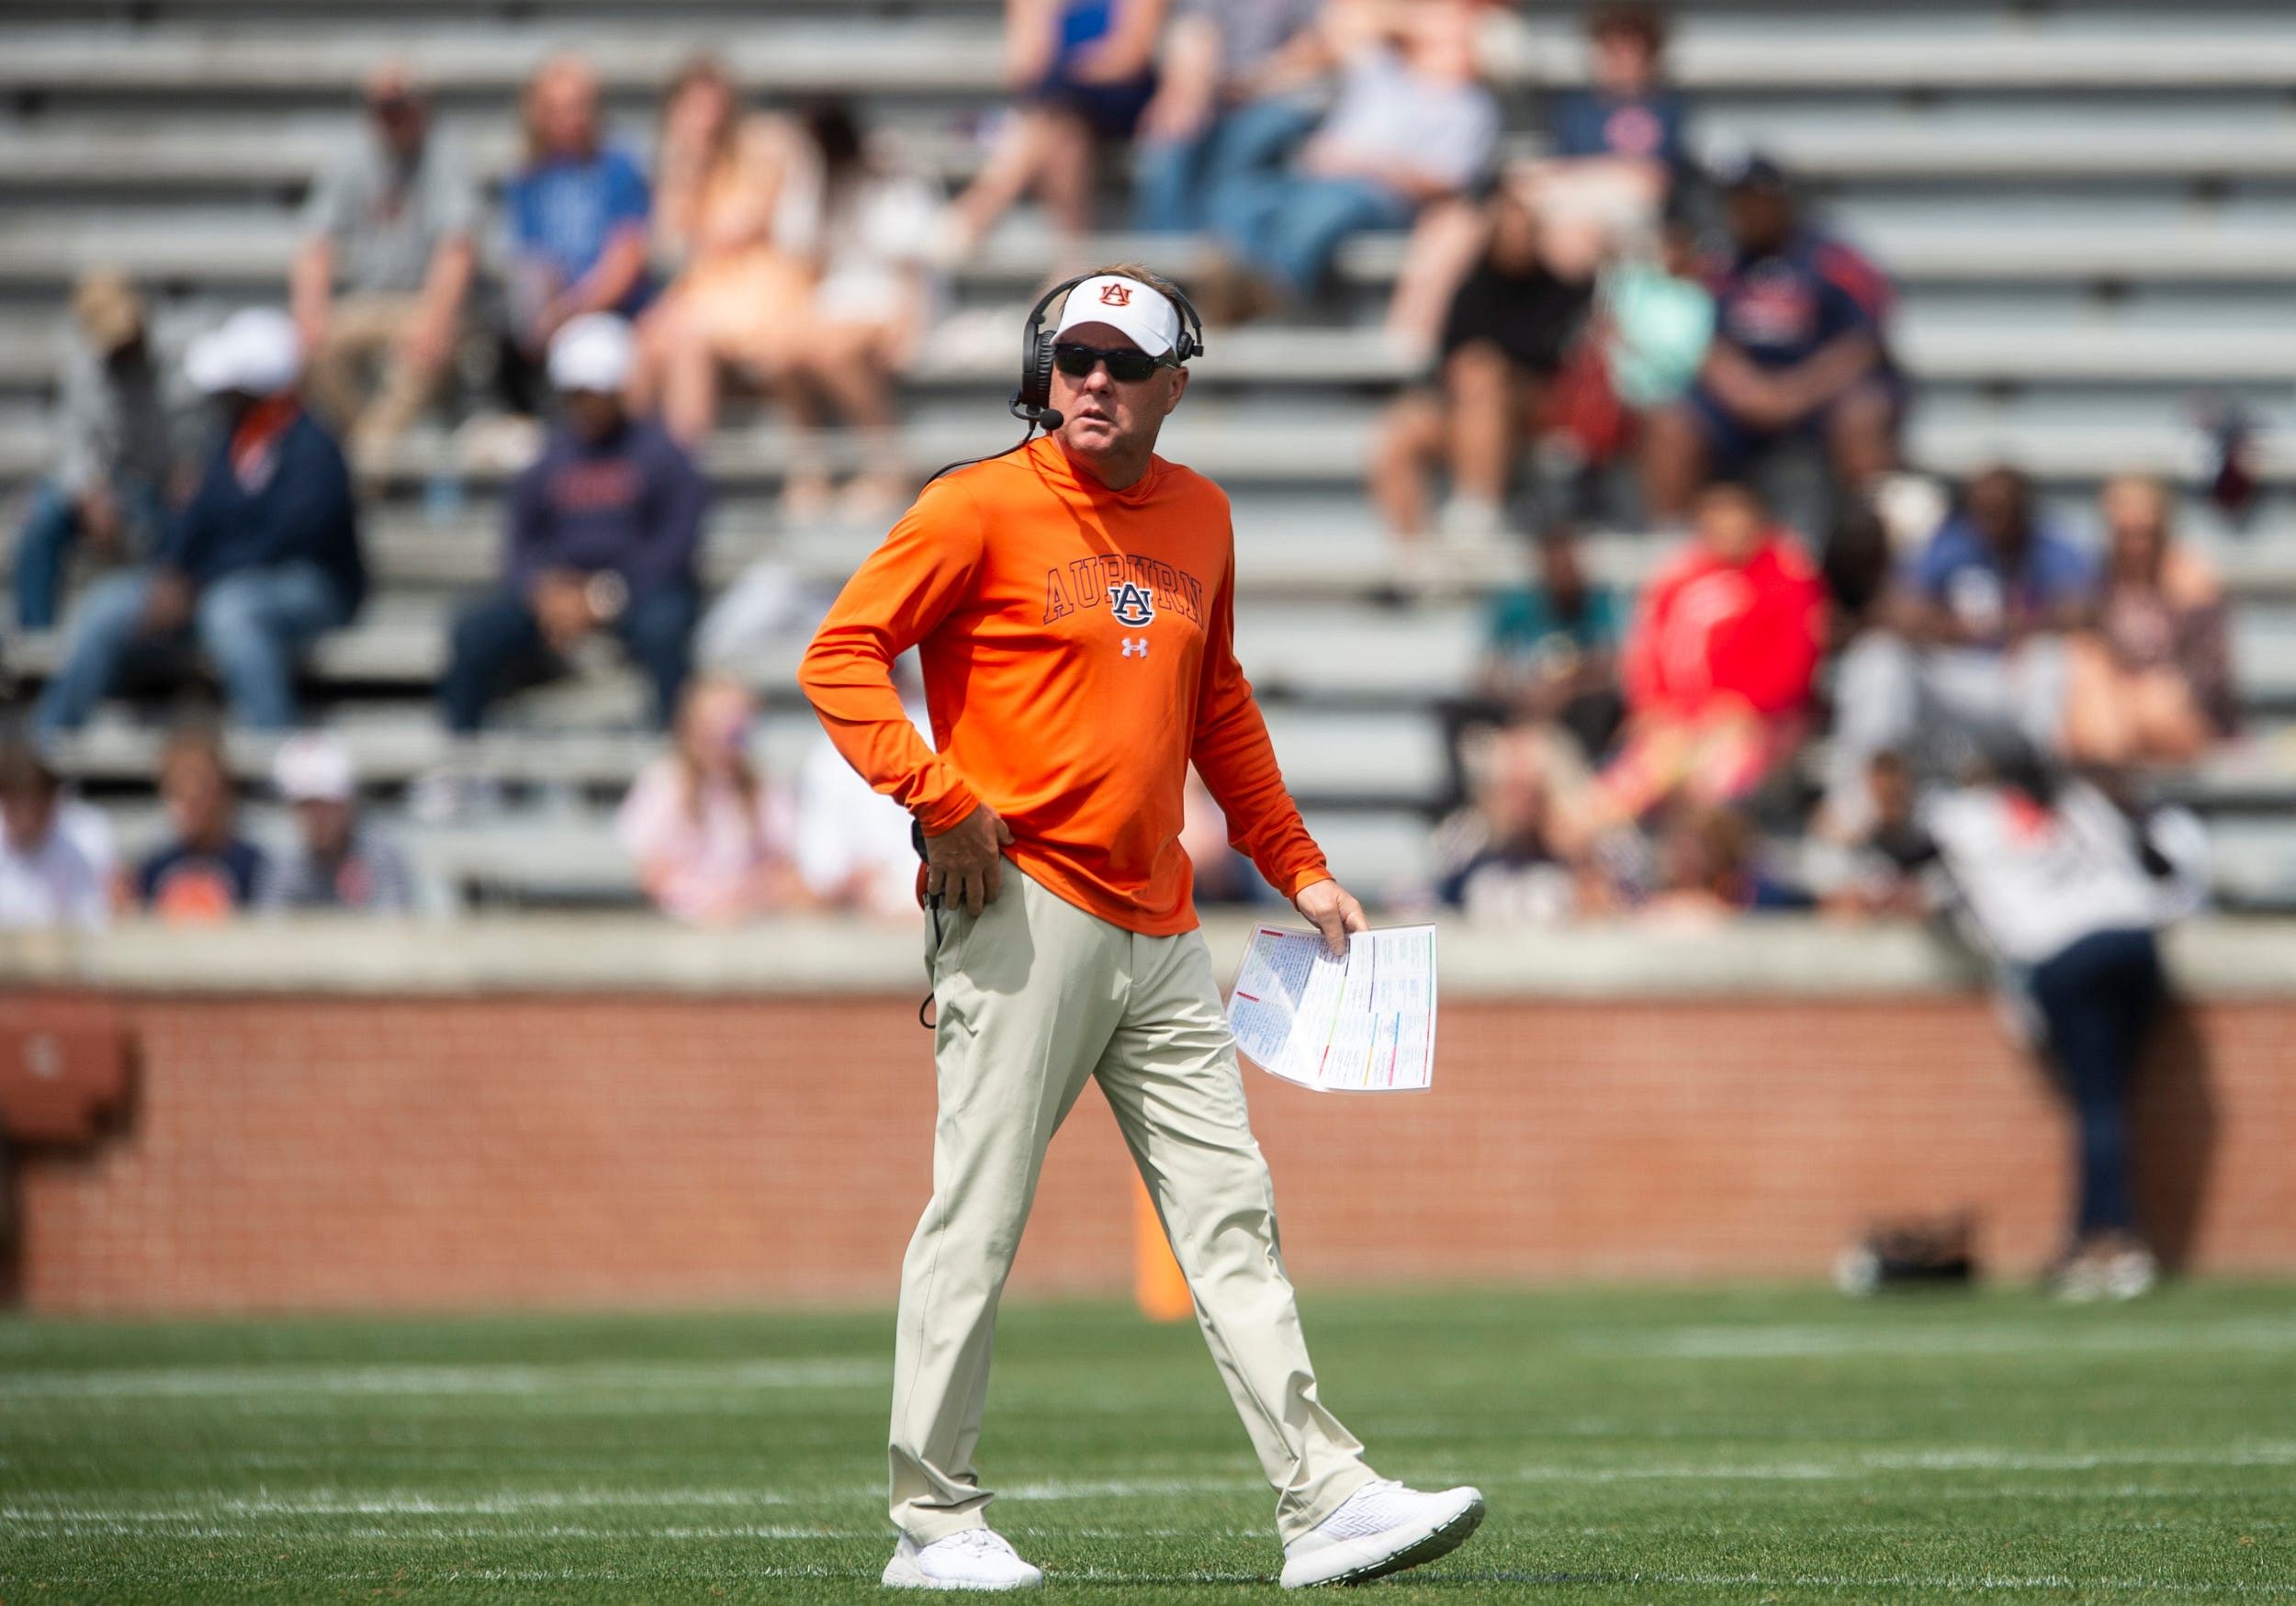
x=1078, y=650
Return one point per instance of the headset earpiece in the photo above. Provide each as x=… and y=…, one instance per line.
x=1032, y=402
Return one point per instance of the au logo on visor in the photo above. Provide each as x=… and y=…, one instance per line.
x=1116, y=295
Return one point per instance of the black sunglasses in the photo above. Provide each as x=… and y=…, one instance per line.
x=1127, y=364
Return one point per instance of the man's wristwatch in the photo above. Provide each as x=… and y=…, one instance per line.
x=607, y=593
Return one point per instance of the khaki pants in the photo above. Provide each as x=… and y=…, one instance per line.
x=362, y=340
x=1036, y=996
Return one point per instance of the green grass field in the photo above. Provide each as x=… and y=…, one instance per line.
x=1757, y=1446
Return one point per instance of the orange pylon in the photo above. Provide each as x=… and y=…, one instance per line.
x=1159, y=1287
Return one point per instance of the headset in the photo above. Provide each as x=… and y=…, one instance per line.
x=1032, y=403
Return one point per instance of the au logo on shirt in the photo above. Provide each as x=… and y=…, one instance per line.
x=1133, y=603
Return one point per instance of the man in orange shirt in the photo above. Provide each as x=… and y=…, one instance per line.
x=1072, y=604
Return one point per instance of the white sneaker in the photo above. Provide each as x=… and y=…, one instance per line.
x=1382, y=1529
x=971, y=1558
x=2131, y=1273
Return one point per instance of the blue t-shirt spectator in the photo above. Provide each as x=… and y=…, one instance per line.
x=1989, y=594
x=1780, y=310
x=563, y=212
x=1646, y=128
x=184, y=881
x=631, y=502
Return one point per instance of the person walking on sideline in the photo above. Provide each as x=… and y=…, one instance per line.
x=1072, y=604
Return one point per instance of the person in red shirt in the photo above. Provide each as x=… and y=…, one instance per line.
x=1720, y=661
x=1072, y=603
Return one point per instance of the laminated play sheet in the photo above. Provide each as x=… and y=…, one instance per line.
x=1363, y=1024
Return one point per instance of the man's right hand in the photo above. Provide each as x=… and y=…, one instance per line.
x=962, y=864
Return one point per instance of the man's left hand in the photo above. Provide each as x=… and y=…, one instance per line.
x=1334, y=912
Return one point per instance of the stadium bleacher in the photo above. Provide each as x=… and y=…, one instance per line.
x=2087, y=207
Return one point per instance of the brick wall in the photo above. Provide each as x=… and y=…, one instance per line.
x=420, y=1151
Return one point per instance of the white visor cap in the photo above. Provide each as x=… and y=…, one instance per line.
x=594, y=351
x=255, y=352
x=1146, y=316
x=314, y=767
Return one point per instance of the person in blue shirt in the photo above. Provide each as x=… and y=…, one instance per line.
x=1799, y=352
x=1627, y=112
x=577, y=213
x=603, y=531
x=262, y=561
x=205, y=871
x=1972, y=647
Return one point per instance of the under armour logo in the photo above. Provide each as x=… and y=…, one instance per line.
x=1116, y=295
x=1135, y=647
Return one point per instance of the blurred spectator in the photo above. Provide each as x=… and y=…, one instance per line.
x=603, y=531
x=1515, y=854
x=739, y=295
x=207, y=872
x=712, y=837
x=115, y=450
x=1720, y=662
x=1708, y=868
x=1552, y=645
x=577, y=213
x=2154, y=684
x=390, y=247
x=1614, y=149
x=338, y=861
x=2065, y=891
x=1235, y=89
x=1878, y=869
x=45, y=879
x=1627, y=120
x=1510, y=329
x=1223, y=875
x=263, y=559
x=864, y=224
x=1083, y=72
x=853, y=849
x=1799, y=352
x=1412, y=124
x=1656, y=322
x=1974, y=643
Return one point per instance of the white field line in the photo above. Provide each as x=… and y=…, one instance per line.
x=2266, y=1334
x=767, y=1532
x=580, y=1377
x=1974, y=1582
x=30, y=1506
x=1959, y=1581
x=58, y=1508
x=1962, y=1458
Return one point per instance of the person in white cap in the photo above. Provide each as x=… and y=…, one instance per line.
x=337, y=861
x=1072, y=605
x=263, y=560
x=604, y=531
